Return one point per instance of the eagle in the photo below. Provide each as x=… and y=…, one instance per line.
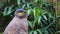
x=19, y=23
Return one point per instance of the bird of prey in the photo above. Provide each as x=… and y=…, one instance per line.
x=19, y=24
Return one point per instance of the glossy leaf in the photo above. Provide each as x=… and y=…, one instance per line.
x=35, y=32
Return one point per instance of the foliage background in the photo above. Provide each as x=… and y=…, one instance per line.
x=42, y=17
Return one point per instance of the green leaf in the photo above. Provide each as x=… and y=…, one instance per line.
x=34, y=22
x=45, y=22
x=18, y=2
x=35, y=0
x=24, y=6
x=5, y=11
x=58, y=32
x=30, y=24
x=50, y=31
x=50, y=24
x=28, y=12
x=39, y=21
x=28, y=5
x=9, y=0
x=46, y=32
x=40, y=32
x=30, y=32
x=23, y=1
x=34, y=12
x=44, y=17
x=10, y=10
x=35, y=32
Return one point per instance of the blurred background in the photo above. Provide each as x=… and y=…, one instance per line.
x=43, y=15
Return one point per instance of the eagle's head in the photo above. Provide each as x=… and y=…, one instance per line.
x=20, y=13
